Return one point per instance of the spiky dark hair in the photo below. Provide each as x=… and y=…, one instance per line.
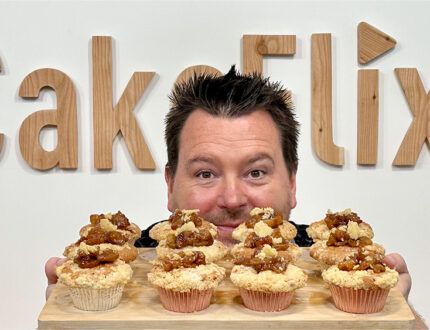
x=231, y=95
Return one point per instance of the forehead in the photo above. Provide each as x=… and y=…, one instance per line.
x=203, y=131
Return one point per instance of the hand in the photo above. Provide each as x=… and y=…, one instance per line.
x=396, y=262
x=50, y=266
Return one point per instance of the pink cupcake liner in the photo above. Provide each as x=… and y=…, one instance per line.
x=185, y=302
x=359, y=301
x=266, y=302
x=89, y=299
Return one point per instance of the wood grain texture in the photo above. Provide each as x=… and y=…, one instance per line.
x=367, y=117
x=256, y=46
x=109, y=121
x=1, y=141
x=140, y=308
x=64, y=118
x=191, y=71
x=372, y=42
x=322, y=132
x=419, y=130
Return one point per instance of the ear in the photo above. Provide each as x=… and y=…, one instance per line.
x=169, y=181
x=293, y=200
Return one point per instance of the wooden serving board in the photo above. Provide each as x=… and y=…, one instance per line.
x=312, y=308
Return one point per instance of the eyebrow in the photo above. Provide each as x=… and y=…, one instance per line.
x=200, y=159
x=210, y=160
x=262, y=156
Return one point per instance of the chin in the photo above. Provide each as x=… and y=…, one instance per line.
x=228, y=241
x=224, y=235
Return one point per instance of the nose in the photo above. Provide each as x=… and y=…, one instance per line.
x=232, y=195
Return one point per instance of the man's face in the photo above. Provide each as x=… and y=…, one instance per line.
x=228, y=166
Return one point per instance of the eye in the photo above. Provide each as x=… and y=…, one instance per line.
x=256, y=174
x=205, y=175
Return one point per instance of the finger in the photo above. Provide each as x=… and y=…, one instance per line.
x=405, y=284
x=50, y=266
x=396, y=262
x=49, y=290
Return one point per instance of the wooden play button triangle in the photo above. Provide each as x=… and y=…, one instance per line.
x=372, y=42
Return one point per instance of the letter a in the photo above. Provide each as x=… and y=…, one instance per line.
x=66, y=152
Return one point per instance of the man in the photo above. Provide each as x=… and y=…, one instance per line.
x=232, y=146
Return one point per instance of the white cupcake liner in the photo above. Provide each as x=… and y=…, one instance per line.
x=89, y=299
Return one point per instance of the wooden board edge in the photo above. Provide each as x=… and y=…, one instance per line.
x=223, y=324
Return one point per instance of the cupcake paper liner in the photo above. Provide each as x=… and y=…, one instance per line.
x=359, y=301
x=185, y=302
x=266, y=302
x=89, y=299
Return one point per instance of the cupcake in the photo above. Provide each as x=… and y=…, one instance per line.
x=189, y=232
x=267, y=281
x=281, y=228
x=329, y=255
x=264, y=228
x=322, y=229
x=113, y=222
x=95, y=280
x=360, y=284
x=161, y=230
x=185, y=282
x=103, y=238
x=97, y=269
x=347, y=236
x=126, y=252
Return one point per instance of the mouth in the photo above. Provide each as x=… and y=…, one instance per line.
x=229, y=224
x=227, y=227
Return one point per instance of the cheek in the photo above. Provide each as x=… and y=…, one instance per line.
x=270, y=197
x=265, y=199
x=194, y=198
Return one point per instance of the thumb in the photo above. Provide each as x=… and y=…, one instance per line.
x=50, y=266
x=395, y=261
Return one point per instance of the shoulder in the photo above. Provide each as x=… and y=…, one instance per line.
x=302, y=238
x=145, y=240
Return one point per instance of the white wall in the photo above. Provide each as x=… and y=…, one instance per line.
x=41, y=212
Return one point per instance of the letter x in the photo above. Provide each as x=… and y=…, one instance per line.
x=419, y=130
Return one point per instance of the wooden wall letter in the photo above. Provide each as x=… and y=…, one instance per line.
x=322, y=135
x=189, y=72
x=419, y=130
x=255, y=46
x=368, y=111
x=372, y=42
x=64, y=118
x=109, y=121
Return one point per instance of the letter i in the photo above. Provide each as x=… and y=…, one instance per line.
x=371, y=44
x=367, y=117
